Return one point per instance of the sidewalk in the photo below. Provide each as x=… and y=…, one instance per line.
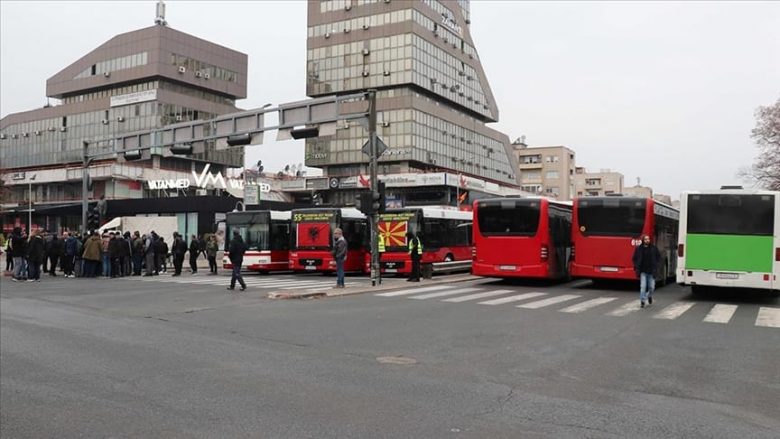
x=387, y=284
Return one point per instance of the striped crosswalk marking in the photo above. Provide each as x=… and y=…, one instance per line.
x=721, y=313
x=477, y=296
x=547, y=302
x=412, y=291
x=510, y=299
x=674, y=310
x=588, y=304
x=445, y=293
x=768, y=317
x=625, y=310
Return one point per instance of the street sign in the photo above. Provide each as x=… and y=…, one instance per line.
x=380, y=147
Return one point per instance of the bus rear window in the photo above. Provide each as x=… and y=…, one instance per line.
x=508, y=218
x=611, y=217
x=730, y=214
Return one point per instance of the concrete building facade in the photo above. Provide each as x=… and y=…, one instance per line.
x=139, y=80
x=434, y=100
x=603, y=182
x=546, y=170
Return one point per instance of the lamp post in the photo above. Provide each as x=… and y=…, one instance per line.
x=29, y=204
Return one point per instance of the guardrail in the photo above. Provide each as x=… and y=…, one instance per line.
x=428, y=270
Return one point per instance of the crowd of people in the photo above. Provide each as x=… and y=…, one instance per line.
x=110, y=255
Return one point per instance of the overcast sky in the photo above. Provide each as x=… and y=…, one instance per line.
x=659, y=90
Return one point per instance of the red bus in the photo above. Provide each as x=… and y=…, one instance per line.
x=266, y=234
x=312, y=239
x=521, y=238
x=445, y=235
x=606, y=230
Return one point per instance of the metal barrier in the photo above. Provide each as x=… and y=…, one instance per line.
x=427, y=270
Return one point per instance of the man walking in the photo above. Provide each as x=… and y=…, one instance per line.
x=54, y=253
x=237, y=249
x=340, y=255
x=211, y=252
x=646, y=260
x=69, y=254
x=415, y=253
x=35, y=252
x=194, y=252
x=179, y=248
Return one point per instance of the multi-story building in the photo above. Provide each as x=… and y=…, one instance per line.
x=600, y=183
x=638, y=191
x=434, y=100
x=546, y=170
x=140, y=80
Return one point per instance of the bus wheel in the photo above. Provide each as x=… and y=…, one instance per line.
x=697, y=290
x=449, y=258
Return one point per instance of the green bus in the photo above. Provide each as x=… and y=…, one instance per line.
x=729, y=238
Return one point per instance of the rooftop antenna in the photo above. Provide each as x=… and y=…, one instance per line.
x=160, y=19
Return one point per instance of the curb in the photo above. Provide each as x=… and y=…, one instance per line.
x=304, y=294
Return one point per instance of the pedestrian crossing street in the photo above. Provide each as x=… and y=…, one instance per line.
x=768, y=317
x=282, y=282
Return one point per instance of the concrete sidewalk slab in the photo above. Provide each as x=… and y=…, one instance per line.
x=387, y=284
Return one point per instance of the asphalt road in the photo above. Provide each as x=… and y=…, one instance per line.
x=185, y=358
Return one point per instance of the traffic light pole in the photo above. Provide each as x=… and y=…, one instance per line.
x=374, y=218
x=84, y=177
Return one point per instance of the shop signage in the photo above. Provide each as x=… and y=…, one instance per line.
x=133, y=98
x=300, y=217
x=402, y=180
x=206, y=178
x=448, y=20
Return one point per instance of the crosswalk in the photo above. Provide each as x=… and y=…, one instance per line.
x=768, y=317
x=265, y=282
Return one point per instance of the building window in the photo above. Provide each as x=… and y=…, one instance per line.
x=530, y=159
x=551, y=174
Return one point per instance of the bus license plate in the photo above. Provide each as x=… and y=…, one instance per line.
x=726, y=275
x=391, y=270
x=310, y=267
x=507, y=267
x=609, y=269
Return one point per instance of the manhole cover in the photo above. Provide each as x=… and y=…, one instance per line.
x=396, y=360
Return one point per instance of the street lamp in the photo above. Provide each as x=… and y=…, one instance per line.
x=29, y=204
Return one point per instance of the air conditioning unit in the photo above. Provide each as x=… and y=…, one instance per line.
x=435, y=33
x=120, y=119
x=63, y=129
x=366, y=52
x=106, y=74
x=387, y=1
x=365, y=73
x=25, y=134
x=198, y=74
x=37, y=133
x=327, y=34
x=182, y=69
x=14, y=136
x=346, y=30
x=179, y=118
x=52, y=129
x=3, y=136
x=385, y=124
x=386, y=73
x=104, y=121
x=366, y=26
x=206, y=76
x=347, y=7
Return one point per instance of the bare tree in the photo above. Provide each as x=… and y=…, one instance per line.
x=766, y=169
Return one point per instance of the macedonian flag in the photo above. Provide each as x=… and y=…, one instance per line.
x=393, y=232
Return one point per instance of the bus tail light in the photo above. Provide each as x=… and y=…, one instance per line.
x=766, y=277
x=777, y=254
x=680, y=250
x=545, y=253
x=474, y=253
x=572, y=252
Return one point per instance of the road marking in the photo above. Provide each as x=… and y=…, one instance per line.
x=509, y=299
x=721, y=313
x=547, y=302
x=588, y=304
x=477, y=296
x=412, y=291
x=625, y=310
x=769, y=317
x=674, y=310
x=445, y=293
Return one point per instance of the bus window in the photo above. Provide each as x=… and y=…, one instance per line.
x=280, y=236
x=726, y=214
x=611, y=217
x=508, y=218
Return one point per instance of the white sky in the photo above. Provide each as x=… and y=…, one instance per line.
x=659, y=90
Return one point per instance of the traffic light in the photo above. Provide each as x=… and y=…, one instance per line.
x=379, y=198
x=372, y=202
x=181, y=149
x=93, y=218
x=365, y=202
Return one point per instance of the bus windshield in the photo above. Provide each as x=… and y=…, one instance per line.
x=253, y=228
x=731, y=214
x=508, y=218
x=611, y=216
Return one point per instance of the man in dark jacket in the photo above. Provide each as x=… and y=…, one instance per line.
x=237, y=249
x=115, y=251
x=164, y=250
x=646, y=260
x=55, y=251
x=179, y=248
x=35, y=251
x=69, y=254
x=194, y=252
x=18, y=250
x=124, y=256
x=138, y=253
x=340, y=255
x=415, y=254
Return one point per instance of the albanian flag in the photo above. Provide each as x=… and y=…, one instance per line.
x=313, y=235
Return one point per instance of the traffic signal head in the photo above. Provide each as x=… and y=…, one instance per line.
x=366, y=202
x=182, y=149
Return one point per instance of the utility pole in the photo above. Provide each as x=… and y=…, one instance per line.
x=374, y=187
x=84, y=178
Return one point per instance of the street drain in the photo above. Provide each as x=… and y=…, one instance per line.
x=396, y=360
